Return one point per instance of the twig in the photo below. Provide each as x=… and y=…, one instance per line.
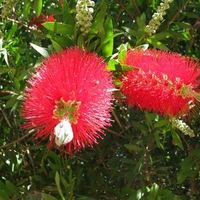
x=6, y=118
x=115, y=133
x=14, y=130
x=128, y=12
x=20, y=23
x=16, y=141
x=30, y=157
x=136, y=6
x=177, y=13
x=24, y=25
x=117, y=119
x=190, y=151
x=7, y=92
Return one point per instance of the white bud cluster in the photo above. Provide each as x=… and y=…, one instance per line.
x=157, y=17
x=183, y=127
x=84, y=10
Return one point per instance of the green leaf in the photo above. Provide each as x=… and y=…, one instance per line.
x=57, y=180
x=157, y=139
x=118, y=83
x=38, y=7
x=59, y=28
x=5, y=54
x=3, y=186
x=1, y=44
x=184, y=25
x=67, y=17
x=127, y=68
x=132, y=32
x=141, y=21
x=48, y=197
x=112, y=65
x=140, y=127
x=157, y=44
x=54, y=160
x=3, y=195
x=161, y=36
x=98, y=22
x=85, y=198
x=197, y=153
x=27, y=7
x=122, y=52
x=177, y=139
x=80, y=41
x=133, y=147
x=12, y=32
x=11, y=102
x=40, y=50
x=154, y=191
x=186, y=169
x=178, y=35
x=150, y=118
x=161, y=123
x=12, y=188
x=183, y=175
x=56, y=46
x=187, y=163
x=108, y=40
x=65, y=183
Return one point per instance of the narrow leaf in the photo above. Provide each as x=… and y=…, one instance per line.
x=108, y=39
x=40, y=50
x=57, y=180
x=38, y=7
x=133, y=147
x=48, y=197
x=177, y=139
x=161, y=123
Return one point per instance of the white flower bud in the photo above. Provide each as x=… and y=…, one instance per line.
x=63, y=132
x=183, y=127
x=157, y=17
x=84, y=10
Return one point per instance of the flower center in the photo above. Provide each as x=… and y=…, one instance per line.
x=67, y=110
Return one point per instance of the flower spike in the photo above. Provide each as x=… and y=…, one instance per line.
x=165, y=83
x=69, y=99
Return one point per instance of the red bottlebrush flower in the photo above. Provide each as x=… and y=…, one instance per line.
x=69, y=99
x=38, y=21
x=161, y=82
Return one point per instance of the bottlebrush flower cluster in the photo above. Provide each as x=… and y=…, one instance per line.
x=162, y=82
x=69, y=99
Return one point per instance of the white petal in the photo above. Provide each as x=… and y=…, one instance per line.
x=63, y=132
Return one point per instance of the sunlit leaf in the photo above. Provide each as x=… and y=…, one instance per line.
x=38, y=7
x=40, y=50
x=107, y=40
x=59, y=28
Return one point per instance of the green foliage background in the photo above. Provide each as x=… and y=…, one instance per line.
x=142, y=157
